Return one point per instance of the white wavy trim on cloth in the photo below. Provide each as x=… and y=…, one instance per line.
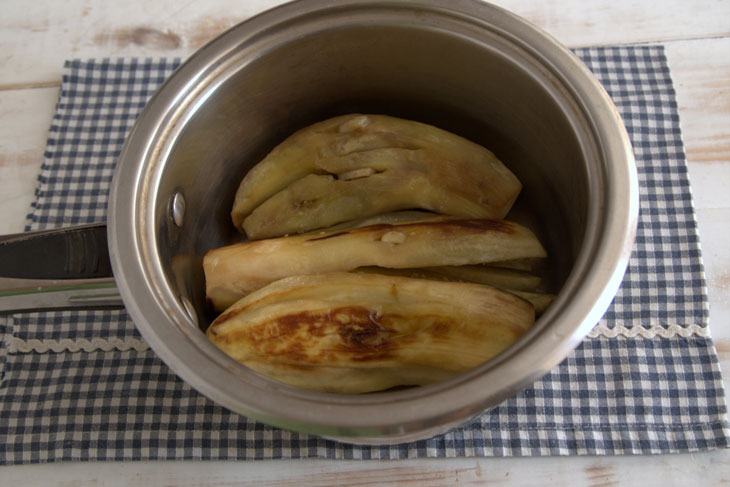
x=34, y=345
x=671, y=331
x=18, y=345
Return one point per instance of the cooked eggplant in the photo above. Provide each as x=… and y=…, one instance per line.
x=527, y=265
x=521, y=284
x=357, y=166
x=539, y=301
x=354, y=333
x=493, y=276
x=237, y=270
x=477, y=274
x=392, y=218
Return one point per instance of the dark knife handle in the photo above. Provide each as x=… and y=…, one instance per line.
x=67, y=253
x=68, y=268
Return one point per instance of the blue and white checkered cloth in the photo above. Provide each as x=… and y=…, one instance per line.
x=85, y=386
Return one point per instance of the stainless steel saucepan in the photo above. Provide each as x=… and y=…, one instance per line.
x=461, y=65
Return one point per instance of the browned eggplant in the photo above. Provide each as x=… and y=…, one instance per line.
x=356, y=166
x=237, y=270
x=354, y=333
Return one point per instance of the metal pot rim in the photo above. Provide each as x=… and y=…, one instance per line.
x=390, y=417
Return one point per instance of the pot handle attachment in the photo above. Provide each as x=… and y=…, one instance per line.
x=67, y=268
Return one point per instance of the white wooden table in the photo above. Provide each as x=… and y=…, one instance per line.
x=36, y=37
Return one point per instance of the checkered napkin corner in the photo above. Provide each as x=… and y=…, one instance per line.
x=97, y=107
x=610, y=396
x=664, y=282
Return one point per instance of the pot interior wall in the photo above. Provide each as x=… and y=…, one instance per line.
x=428, y=75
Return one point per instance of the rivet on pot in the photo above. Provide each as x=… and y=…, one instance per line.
x=177, y=208
x=189, y=310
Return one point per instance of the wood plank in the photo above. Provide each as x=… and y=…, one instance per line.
x=36, y=37
x=662, y=471
x=701, y=74
x=602, y=22
x=25, y=116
